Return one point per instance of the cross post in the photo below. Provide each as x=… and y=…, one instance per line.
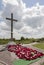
x=11, y=25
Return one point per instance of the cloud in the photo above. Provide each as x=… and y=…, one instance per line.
x=30, y=20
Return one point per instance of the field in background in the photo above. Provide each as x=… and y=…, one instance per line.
x=39, y=45
x=23, y=40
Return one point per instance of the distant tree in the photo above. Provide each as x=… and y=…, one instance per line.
x=27, y=39
x=22, y=38
x=32, y=40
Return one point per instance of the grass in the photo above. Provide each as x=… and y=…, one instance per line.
x=25, y=41
x=4, y=41
x=24, y=62
x=39, y=45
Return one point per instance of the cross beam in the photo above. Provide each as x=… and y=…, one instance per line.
x=11, y=25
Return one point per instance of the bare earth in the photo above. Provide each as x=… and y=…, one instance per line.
x=7, y=57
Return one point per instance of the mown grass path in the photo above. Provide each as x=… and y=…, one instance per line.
x=39, y=45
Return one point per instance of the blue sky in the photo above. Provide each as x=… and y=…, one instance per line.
x=30, y=3
x=1, y=5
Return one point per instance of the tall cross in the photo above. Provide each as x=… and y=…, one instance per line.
x=11, y=25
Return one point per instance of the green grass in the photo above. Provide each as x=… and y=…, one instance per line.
x=28, y=41
x=23, y=41
x=24, y=62
x=17, y=41
x=5, y=41
x=39, y=45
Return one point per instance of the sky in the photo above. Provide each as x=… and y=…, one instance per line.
x=30, y=3
x=30, y=16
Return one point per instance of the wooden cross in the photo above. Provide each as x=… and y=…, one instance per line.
x=11, y=25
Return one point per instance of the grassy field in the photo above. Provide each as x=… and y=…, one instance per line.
x=3, y=41
x=23, y=41
x=40, y=45
x=17, y=41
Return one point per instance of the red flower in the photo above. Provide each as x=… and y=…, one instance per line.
x=24, y=52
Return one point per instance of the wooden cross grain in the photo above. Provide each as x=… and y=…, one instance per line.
x=11, y=25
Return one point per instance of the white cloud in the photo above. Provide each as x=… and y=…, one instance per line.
x=12, y=2
x=30, y=20
x=28, y=29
